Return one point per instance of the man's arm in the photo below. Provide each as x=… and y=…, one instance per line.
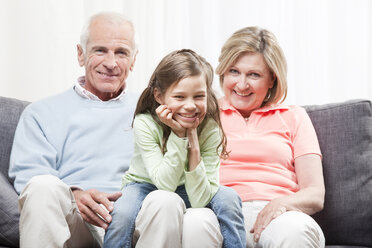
x=32, y=154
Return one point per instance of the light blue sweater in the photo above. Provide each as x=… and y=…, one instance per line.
x=87, y=144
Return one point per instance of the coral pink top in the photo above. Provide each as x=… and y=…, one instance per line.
x=263, y=149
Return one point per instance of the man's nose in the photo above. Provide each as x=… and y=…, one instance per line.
x=110, y=61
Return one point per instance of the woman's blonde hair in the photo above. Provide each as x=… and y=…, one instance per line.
x=257, y=40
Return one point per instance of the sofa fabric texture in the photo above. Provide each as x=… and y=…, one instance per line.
x=10, y=110
x=345, y=136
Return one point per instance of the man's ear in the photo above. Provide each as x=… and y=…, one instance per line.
x=158, y=96
x=133, y=61
x=80, y=55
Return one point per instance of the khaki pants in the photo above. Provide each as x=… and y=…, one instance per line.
x=50, y=218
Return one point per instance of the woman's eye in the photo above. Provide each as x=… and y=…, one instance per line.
x=254, y=75
x=233, y=71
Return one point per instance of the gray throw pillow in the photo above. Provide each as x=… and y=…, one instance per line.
x=345, y=136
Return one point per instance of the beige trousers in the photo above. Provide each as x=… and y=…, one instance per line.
x=50, y=218
x=164, y=222
x=291, y=229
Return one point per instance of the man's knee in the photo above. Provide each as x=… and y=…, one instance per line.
x=43, y=187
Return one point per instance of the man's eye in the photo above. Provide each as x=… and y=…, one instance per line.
x=100, y=51
x=123, y=53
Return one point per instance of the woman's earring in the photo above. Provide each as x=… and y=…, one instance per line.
x=268, y=95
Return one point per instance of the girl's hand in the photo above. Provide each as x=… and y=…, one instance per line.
x=271, y=211
x=166, y=116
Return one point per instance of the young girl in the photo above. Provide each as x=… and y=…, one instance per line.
x=178, y=141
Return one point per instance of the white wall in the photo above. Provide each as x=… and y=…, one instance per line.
x=328, y=43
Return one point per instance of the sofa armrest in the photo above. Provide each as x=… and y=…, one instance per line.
x=9, y=214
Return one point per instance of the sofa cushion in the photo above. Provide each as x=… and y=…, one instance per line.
x=10, y=110
x=345, y=136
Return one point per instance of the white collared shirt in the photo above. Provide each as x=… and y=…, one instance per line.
x=84, y=93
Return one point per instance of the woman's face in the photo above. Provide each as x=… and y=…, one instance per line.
x=247, y=82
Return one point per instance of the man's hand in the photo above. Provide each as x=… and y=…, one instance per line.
x=89, y=202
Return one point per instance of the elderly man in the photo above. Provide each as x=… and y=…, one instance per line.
x=71, y=150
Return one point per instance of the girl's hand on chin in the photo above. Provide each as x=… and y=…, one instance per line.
x=166, y=116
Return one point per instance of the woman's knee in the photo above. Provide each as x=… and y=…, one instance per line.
x=291, y=229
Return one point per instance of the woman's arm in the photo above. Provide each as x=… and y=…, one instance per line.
x=309, y=199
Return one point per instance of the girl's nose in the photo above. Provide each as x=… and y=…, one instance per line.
x=190, y=105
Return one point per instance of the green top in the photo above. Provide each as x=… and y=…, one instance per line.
x=169, y=170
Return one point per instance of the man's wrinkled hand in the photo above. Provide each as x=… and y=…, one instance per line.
x=89, y=204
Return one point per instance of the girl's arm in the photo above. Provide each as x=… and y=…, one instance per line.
x=164, y=170
x=202, y=174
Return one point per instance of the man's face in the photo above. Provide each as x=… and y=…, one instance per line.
x=108, y=58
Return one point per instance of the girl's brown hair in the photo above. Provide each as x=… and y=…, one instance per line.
x=173, y=68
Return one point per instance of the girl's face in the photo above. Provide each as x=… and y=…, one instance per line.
x=187, y=100
x=247, y=82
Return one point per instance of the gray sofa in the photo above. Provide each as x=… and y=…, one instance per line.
x=345, y=136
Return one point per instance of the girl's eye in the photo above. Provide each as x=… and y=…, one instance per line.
x=178, y=97
x=200, y=96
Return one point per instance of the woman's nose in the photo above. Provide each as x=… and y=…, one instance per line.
x=242, y=83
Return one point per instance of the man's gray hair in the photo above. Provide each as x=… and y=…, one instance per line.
x=114, y=17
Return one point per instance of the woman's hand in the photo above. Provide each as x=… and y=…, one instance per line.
x=271, y=211
x=166, y=116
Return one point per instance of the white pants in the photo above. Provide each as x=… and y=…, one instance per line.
x=50, y=218
x=164, y=221
x=291, y=229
